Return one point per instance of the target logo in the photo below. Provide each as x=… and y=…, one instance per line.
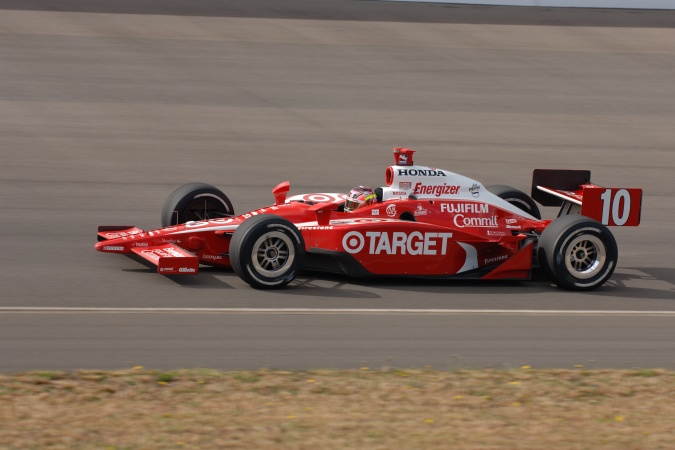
x=323, y=198
x=353, y=242
x=397, y=243
x=202, y=223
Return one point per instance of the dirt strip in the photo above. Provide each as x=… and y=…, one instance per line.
x=376, y=409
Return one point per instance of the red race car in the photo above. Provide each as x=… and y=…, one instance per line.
x=426, y=222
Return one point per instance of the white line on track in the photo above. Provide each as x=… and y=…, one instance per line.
x=315, y=311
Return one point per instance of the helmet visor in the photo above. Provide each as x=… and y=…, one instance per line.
x=352, y=204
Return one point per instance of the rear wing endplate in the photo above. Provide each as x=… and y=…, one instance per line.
x=573, y=191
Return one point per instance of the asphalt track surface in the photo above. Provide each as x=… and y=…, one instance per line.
x=105, y=107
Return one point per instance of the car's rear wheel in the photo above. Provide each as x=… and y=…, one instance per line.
x=517, y=198
x=267, y=251
x=195, y=201
x=577, y=253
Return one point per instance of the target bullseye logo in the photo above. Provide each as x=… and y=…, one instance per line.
x=323, y=198
x=319, y=198
x=353, y=242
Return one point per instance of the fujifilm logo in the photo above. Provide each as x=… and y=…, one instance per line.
x=463, y=208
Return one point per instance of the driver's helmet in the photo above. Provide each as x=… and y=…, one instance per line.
x=359, y=197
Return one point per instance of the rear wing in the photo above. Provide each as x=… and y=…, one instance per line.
x=573, y=191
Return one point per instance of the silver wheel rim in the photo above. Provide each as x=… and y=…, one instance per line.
x=585, y=256
x=273, y=254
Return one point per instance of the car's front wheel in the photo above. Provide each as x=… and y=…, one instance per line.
x=267, y=251
x=195, y=201
x=577, y=253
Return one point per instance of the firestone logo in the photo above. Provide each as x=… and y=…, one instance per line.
x=437, y=190
x=396, y=243
x=495, y=259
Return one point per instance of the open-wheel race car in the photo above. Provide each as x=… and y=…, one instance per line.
x=425, y=222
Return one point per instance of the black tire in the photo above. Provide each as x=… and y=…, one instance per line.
x=195, y=201
x=517, y=198
x=267, y=251
x=577, y=253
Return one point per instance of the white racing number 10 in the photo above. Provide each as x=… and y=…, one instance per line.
x=619, y=209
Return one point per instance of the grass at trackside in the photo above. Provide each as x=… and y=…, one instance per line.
x=362, y=409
